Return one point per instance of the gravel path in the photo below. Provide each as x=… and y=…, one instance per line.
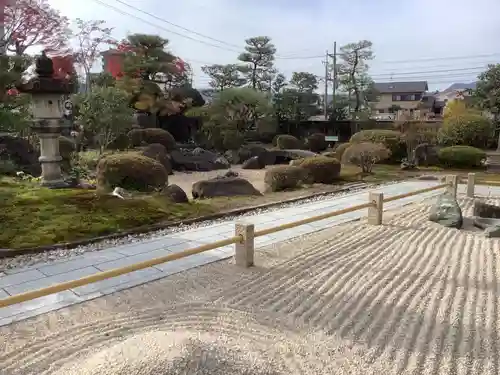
x=408, y=297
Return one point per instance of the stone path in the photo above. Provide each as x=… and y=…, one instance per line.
x=42, y=275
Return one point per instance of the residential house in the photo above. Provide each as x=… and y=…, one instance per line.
x=397, y=98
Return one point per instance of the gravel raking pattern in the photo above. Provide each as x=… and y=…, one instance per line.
x=423, y=298
x=407, y=297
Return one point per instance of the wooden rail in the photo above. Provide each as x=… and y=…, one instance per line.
x=243, y=241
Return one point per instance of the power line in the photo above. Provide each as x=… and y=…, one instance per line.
x=175, y=25
x=160, y=27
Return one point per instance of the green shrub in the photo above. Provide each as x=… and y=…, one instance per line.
x=89, y=159
x=461, y=157
x=365, y=155
x=466, y=129
x=140, y=137
x=130, y=171
x=283, y=177
x=340, y=148
x=320, y=169
x=391, y=139
x=316, y=142
x=288, y=142
x=121, y=143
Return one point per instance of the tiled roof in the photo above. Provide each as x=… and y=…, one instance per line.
x=401, y=87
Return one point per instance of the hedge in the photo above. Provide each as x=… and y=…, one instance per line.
x=461, y=157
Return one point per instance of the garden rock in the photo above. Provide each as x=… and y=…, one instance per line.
x=408, y=166
x=482, y=209
x=253, y=163
x=426, y=154
x=21, y=153
x=175, y=194
x=491, y=226
x=198, y=151
x=229, y=173
x=158, y=152
x=121, y=193
x=492, y=232
x=222, y=163
x=184, y=160
x=447, y=212
x=223, y=187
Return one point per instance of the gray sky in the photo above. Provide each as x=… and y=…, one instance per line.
x=413, y=40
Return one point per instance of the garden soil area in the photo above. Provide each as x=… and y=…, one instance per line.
x=406, y=297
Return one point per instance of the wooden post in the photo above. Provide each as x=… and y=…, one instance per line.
x=377, y=208
x=244, y=250
x=452, y=181
x=471, y=182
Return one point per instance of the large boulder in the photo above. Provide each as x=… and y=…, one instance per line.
x=447, y=212
x=158, y=152
x=21, y=153
x=253, y=163
x=426, y=154
x=223, y=187
x=198, y=160
x=482, y=209
x=175, y=194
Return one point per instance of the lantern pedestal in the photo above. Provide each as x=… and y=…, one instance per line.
x=49, y=131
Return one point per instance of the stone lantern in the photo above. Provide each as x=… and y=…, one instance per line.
x=48, y=97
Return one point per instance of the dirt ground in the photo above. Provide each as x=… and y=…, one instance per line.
x=406, y=297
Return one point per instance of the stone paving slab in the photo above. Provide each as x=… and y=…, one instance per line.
x=45, y=274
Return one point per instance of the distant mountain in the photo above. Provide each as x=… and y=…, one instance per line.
x=461, y=86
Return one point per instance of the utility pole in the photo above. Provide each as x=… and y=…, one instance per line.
x=334, y=102
x=325, y=99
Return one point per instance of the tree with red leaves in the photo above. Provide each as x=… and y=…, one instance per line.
x=30, y=23
x=91, y=36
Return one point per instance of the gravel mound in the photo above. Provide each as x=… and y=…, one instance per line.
x=172, y=353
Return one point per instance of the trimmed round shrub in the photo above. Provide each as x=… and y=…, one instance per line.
x=130, y=171
x=365, y=155
x=316, y=142
x=140, y=137
x=158, y=152
x=121, y=143
x=461, y=157
x=320, y=169
x=391, y=139
x=288, y=142
x=283, y=177
x=340, y=148
x=466, y=129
